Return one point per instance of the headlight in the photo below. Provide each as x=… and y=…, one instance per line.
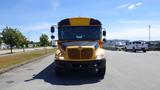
x=61, y=58
x=100, y=56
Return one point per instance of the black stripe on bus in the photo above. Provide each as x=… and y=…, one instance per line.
x=94, y=22
x=64, y=22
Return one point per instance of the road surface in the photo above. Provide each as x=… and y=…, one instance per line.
x=125, y=71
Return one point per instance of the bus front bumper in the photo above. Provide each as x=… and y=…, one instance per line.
x=93, y=64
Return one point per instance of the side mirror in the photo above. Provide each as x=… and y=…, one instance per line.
x=104, y=40
x=104, y=33
x=52, y=29
x=52, y=37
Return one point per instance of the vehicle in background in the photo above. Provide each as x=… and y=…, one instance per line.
x=154, y=45
x=80, y=46
x=115, y=44
x=54, y=43
x=120, y=46
x=136, y=46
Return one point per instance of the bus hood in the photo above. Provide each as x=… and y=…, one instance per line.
x=80, y=43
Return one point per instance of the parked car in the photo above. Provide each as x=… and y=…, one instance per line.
x=120, y=46
x=136, y=46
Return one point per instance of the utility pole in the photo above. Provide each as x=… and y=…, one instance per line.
x=149, y=33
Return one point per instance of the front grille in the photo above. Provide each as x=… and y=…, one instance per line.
x=86, y=53
x=74, y=53
x=83, y=53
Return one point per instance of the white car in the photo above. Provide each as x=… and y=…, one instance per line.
x=136, y=46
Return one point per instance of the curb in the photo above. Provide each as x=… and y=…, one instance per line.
x=21, y=64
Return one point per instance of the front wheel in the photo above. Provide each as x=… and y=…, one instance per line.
x=144, y=50
x=125, y=49
x=101, y=72
x=134, y=50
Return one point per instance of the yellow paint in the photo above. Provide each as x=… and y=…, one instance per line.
x=100, y=51
x=79, y=21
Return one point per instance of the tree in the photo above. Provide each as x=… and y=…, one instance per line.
x=44, y=40
x=13, y=37
x=0, y=38
x=22, y=40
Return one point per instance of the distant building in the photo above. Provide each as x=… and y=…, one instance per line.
x=4, y=46
x=30, y=45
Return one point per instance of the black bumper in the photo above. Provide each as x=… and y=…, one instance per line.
x=80, y=64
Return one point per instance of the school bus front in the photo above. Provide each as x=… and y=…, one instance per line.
x=80, y=46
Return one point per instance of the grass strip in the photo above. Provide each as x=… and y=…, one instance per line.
x=9, y=60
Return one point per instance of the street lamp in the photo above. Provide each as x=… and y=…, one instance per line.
x=149, y=32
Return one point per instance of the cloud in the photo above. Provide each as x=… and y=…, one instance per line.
x=122, y=6
x=33, y=31
x=153, y=14
x=138, y=4
x=42, y=26
x=39, y=26
x=139, y=21
x=130, y=6
x=135, y=34
x=55, y=4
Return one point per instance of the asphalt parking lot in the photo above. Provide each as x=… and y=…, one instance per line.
x=125, y=71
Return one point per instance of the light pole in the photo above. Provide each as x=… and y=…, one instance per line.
x=149, y=33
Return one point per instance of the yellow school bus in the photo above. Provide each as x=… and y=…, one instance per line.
x=80, y=45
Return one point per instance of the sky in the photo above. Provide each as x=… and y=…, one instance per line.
x=123, y=19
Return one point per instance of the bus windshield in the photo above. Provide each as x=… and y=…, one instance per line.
x=79, y=33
